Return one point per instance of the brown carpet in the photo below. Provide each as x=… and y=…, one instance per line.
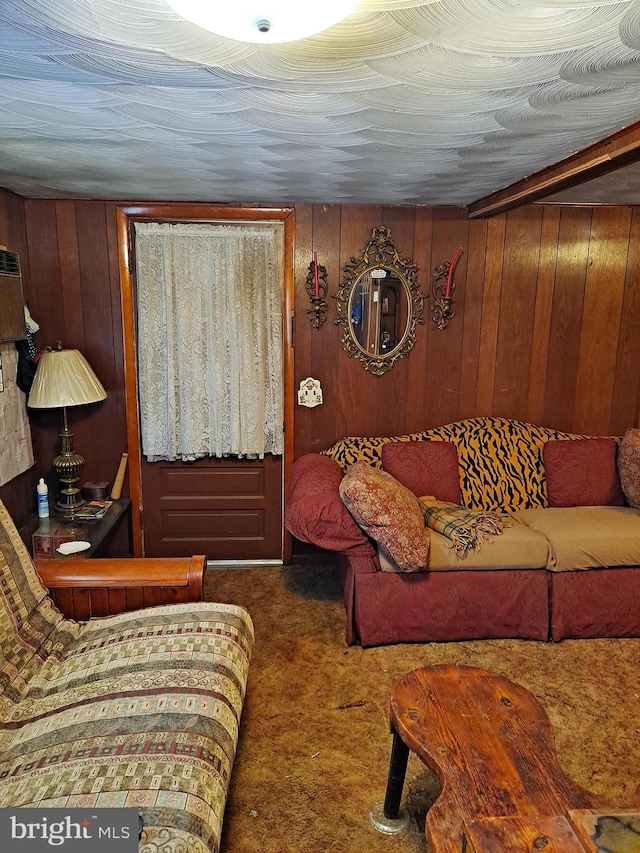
x=314, y=742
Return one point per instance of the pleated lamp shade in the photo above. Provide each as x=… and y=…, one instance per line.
x=64, y=378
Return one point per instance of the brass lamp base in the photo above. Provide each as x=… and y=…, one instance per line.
x=68, y=467
x=69, y=501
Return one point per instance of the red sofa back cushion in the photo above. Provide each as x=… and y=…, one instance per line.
x=424, y=467
x=582, y=472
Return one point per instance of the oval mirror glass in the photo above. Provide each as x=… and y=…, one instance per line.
x=379, y=311
x=379, y=304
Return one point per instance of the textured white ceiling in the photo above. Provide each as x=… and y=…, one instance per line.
x=405, y=101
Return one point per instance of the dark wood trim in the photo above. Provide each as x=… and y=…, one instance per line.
x=130, y=377
x=289, y=370
x=619, y=149
x=86, y=588
x=108, y=572
x=126, y=216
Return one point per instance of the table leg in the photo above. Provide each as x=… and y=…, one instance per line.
x=395, y=779
x=388, y=817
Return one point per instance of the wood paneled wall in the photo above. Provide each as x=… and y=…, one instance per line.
x=69, y=261
x=19, y=494
x=546, y=329
x=547, y=313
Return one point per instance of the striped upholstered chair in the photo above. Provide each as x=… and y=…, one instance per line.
x=136, y=710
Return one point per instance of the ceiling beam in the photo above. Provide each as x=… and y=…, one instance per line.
x=617, y=150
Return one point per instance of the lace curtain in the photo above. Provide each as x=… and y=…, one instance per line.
x=209, y=303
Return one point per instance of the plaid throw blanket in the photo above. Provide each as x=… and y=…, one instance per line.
x=466, y=528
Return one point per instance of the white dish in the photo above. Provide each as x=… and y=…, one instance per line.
x=73, y=547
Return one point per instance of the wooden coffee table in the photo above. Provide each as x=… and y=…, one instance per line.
x=491, y=745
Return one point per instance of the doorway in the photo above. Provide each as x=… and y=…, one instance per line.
x=230, y=509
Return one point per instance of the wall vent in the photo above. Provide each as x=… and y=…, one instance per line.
x=12, y=325
x=9, y=263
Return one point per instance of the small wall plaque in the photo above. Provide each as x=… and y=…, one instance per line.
x=310, y=393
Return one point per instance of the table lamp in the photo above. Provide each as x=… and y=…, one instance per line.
x=64, y=378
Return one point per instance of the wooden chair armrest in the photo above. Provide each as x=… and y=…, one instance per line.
x=122, y=572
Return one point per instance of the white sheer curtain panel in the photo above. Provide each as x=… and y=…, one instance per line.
x=209, y=304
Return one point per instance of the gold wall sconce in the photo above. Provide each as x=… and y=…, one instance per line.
x=316, y=287
x=442, y=290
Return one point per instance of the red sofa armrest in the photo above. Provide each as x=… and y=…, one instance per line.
x=315, y=512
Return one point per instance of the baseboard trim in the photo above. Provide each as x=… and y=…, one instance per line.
x=244, y=564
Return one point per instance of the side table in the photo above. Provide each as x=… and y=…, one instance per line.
x=491, y=744
x=42, y=536
x=82, y=588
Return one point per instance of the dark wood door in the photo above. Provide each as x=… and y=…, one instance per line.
x=228, y=509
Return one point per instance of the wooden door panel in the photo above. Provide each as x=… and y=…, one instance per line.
x=228, y=509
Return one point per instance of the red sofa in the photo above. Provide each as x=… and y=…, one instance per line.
x=570, y=571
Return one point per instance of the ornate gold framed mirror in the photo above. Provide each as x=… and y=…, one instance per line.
x=379, y=304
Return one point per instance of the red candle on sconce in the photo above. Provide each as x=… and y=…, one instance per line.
x=316, y=283
x=447, y=290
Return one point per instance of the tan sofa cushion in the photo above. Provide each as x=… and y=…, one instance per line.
x=587, y=537
x=517, y=547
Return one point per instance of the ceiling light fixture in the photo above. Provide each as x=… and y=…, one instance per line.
x=264, y=21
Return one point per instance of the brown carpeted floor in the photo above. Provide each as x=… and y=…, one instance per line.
x=314, y=741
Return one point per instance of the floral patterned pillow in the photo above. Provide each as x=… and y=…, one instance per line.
x=387, y=512
x=629, y=466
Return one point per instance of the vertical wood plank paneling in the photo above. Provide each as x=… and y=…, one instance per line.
x=543, y=313
x=417, y=402
x=490, y=314
x=394, y=386
x=43, y=250
x=601, y=320
x=305, y=440
x=625, y=406
x=70, y=277
x=546, y=326
x=444, y=348
x=472, y=319
x=94, y=264
x=517, y=309
x=102, y=447
x=46, y=306
x=568, y=299
x=326, y=241
x=356, y=390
